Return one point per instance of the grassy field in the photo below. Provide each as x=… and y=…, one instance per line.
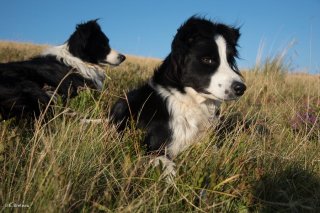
x=267, y=160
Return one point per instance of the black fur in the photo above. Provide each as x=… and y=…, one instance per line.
x=149, y=109
x=22, y=85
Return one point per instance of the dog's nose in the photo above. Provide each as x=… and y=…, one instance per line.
x=121, y=58
x=238, y=88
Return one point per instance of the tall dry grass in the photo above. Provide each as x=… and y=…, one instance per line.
x=264, y=158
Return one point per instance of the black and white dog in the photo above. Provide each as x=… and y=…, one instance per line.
x=25, y=86
x=182, y=98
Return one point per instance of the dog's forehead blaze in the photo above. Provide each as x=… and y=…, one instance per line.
x=222, y=49
x=223, y=53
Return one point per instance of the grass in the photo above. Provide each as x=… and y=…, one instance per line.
x=268, y=159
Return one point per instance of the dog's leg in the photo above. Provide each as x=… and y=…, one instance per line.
x=167, y=166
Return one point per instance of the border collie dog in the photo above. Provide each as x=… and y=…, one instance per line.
x=25, y=86
x=182, y=98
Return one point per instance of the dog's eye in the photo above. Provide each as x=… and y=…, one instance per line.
x=207, y=60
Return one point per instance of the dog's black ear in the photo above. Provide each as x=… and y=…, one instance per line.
x=236, y=34
x=187, y=32
x=79, y=39
x=182, y=42
x=231, y=34
x=178, y=51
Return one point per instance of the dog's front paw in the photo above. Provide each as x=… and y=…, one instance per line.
x=167, y=166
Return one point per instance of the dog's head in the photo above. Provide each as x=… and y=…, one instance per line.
x=90, y=44
x=203, y=54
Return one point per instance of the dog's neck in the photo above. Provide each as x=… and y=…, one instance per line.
x=87, y=70
x=190, y=98
x=191, y=115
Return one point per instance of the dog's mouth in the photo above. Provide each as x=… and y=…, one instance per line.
x=105, y=63
x=209, y=95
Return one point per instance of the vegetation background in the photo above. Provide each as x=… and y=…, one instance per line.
x=264, y=158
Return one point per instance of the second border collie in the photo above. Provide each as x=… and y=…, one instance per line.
x=25, y=86
x=183, y=97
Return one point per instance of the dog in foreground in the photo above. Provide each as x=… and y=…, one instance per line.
x=26, y=87
x=182, y=98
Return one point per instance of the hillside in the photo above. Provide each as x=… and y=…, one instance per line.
x=266, y=157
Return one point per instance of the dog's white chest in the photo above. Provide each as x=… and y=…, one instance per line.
x=190, y=116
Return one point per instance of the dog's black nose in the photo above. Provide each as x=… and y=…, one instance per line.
x=121, y=57
x=238, y=88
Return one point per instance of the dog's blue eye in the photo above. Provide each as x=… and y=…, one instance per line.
x=207, y=60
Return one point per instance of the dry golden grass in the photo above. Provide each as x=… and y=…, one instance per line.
x=266, y=158
x=13, y=51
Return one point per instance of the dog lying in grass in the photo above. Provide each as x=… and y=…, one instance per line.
x=182, y=98
x=27, y=87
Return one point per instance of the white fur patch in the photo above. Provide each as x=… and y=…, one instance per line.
x=190, y=114
x=221, y=81
x=168, y=167
x=87, y=70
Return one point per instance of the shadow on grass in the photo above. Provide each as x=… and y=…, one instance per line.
x=236, y=121
x=292, y=190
